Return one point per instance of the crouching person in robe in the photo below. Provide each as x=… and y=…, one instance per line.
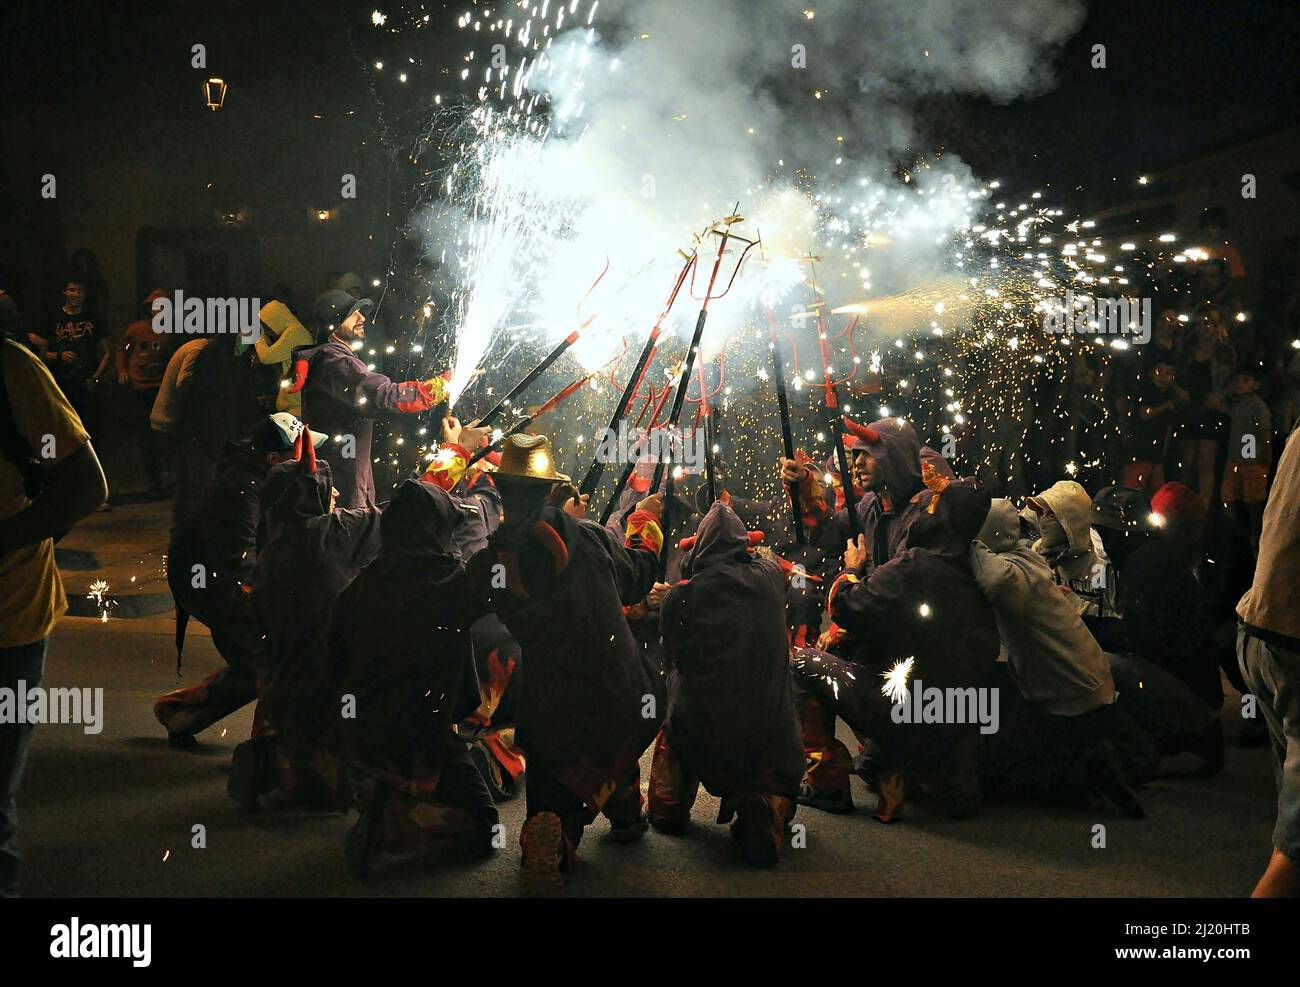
x=919, y=616
x=212, y=558
x=731, y=721
x=400, y=652
x=591, y=700
x=490, y=727
x=313, y=550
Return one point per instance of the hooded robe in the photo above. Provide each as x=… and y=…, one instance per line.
x=311, y=554
x=591, y=700
x=731, y=718
x=399, y=640
x=922, y=604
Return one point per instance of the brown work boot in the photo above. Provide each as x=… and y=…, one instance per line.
x=757, y=832
x=545, y=856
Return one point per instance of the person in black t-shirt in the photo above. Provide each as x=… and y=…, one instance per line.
x=1159, y=399
x=77, y=350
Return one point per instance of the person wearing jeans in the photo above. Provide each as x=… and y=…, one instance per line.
x=50, y=478
x=1268, y=651
x=26, y=664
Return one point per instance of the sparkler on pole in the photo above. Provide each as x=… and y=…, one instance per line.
x=680, y=396
x=531, y=376
x=683, y=382
x=834, y=417
x=787, y=436
x=496, y=411
x=549, y=405
x=597, y=468
x=707, y=413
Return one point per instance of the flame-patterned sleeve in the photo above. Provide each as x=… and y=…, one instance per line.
x=865, y=607
x=635, y=559
x=421, y=395
x=812, y=494
x=437, y=387
x=339, y=371
x=643, y=531
x=447, y=467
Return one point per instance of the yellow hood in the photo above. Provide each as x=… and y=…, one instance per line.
x=278, y=318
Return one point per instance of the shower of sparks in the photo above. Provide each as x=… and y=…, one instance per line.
x=895, y=686
x=932, y=287
x=99, y=593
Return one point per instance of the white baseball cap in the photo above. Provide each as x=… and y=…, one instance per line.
x=279, y=432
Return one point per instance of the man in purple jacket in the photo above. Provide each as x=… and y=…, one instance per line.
x=341, y=396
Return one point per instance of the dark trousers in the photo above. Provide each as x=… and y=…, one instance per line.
x=461, y=786
x=1039, y=756
x=26, y=663
x=546, y=793
x=84, y=401
x=139, y=406
x=237, y=636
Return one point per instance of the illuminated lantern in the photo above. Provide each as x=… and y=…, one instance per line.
x=214, y=91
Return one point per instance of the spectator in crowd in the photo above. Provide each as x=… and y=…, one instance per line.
x=1213, y=225
x=224, y=401
x=1250, y=438
x=282, y=333
x=1174, y=588
x=1158, y=401
x=77, y=351
x=11, y=321
x=281, y=292
x=165, y=417
x=352, y=284
x=1168, y=338
x=1205, y=374
x=1120, y=525
x=1268, y=651
x=84, y=266
x=40, y=499
x=142, y=359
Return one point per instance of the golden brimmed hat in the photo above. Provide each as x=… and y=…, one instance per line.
x=528, y=457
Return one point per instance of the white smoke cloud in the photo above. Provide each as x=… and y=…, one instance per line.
x=676, y=109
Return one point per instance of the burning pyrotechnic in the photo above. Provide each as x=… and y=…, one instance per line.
x=895, y=686
x=99, y=593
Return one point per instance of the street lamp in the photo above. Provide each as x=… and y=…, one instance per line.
x=214, y=91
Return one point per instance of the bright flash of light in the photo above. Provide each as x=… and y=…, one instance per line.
x=895, y=686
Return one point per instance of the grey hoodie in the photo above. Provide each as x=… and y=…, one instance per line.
x=1066, y=529
x=1053, y=657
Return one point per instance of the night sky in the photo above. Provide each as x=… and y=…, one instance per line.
x=1181, y=77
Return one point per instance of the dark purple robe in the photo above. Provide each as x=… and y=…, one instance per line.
x=592, y=700
x=731, y=717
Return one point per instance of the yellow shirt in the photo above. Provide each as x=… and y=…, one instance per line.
x=1273, y=601
x=31, y=592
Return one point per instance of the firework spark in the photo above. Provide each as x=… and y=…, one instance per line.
x=895, y=686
